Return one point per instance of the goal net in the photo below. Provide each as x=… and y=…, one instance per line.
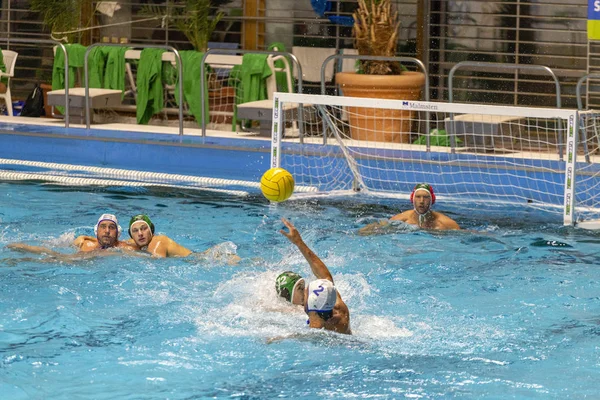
x=468, y=152
x=587, y=178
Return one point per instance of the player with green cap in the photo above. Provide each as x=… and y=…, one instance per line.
x=320, y=298
x=141, y=231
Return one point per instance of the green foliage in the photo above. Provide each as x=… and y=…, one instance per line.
x=375, y=33
x=193, y=19
x=61, y=16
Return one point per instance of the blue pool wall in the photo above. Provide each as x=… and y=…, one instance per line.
x=247, y=159
x=165, y=153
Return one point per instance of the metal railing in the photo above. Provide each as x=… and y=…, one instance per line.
x=237, y=52
x=582, y=127
x=502, y=67
x=133, y=46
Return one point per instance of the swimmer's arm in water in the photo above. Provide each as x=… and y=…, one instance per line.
x=25, y=248
x=222, y=252
x=56, y=257
x=374, y=228
x=174, y=249
x=385, y=226
x=445, y=222
x=86, y=255
x=163, y=246
x=318, y=267
x=230, y=259
x=309, y=335
x=285, y=337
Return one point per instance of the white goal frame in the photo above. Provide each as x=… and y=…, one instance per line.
x=569, y=118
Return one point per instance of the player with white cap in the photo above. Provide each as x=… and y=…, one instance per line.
x=320, y=298
x=107, y=231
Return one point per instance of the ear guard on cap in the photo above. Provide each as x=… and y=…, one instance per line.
x=423, y=186
x=108, y=217
x=141, y=217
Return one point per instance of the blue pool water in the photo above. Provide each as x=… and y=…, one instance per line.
x=488, y=312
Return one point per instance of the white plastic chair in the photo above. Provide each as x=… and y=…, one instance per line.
x=10, y=59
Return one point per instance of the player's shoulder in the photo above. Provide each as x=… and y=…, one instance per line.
x=403, y=216
x=80, y=240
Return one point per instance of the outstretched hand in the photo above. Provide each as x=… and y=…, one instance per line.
x=293, y=235
x=25, y=248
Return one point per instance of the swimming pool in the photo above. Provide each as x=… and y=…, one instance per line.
x=490, y=312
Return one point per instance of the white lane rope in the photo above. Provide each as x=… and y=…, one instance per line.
x=144, y=176
x=77, y=181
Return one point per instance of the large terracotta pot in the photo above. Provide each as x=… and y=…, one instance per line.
x=377, y=124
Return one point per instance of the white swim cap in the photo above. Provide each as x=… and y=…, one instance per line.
x=321, y=296
x=108, y=217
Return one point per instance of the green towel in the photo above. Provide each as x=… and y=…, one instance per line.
x=437, y=137
x=114, y=73
x=96, y=66
x=191, y=61
x=253, y=72
x=3, y=69
x=149, y=85
x=281, y=76
x=76, y=53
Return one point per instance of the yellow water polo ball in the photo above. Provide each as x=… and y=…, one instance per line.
x=277, y=184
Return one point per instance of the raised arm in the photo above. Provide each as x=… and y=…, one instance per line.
x=318, y=267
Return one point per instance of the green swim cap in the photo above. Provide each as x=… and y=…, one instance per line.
x=141, y=217
x=285, y=284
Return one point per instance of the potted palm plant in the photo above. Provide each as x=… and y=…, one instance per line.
x=375, y=33
x=64, y=17
x=196, y=19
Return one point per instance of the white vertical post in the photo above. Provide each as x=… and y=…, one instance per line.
x=570, y=172
x=276, y=132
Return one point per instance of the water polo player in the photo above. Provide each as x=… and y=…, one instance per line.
x=141, y=231
x=320, y=298
x=422, y=198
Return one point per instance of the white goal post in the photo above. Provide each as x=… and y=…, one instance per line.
x=468, y=152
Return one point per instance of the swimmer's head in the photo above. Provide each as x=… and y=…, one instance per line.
x=107, y=230
x=321, y=298
x=141, y=229
x=141, y=218
x=422, y=198
x=423, y=186
x=290, y=286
